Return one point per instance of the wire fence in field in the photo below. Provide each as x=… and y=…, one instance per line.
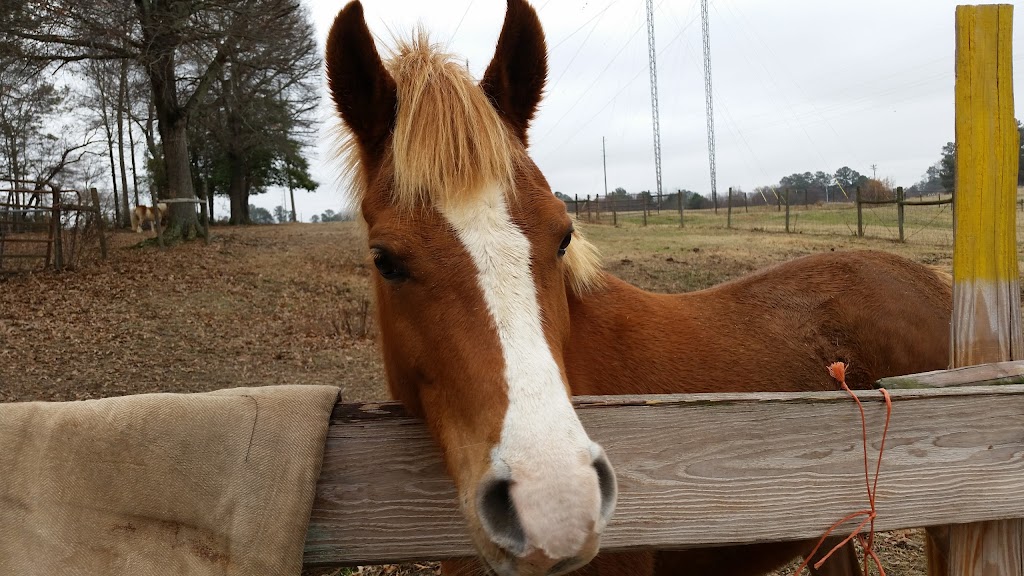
x=924, y=219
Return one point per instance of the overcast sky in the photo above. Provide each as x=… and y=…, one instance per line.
x=798, y=86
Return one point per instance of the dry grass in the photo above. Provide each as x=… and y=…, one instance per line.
x=290, y=304
x=273, y=305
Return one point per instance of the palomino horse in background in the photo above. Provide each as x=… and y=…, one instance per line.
x=143, y=214
x=492, y=309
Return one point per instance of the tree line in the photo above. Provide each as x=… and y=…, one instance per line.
x=820, y=186
x=281, y=215
x=220, y=95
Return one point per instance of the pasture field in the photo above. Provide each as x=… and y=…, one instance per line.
x=290, y=304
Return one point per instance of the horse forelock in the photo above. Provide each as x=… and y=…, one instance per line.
x=449, y=144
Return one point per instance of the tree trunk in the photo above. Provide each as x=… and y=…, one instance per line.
x=172, y=122
x=121, y=217
x=238, y=190
x=135, y=172
x=113, y=178
x=121, y=93
x=209, y=199
x=184, y=223
x=291, y=192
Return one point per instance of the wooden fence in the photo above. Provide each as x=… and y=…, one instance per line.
x=787, y=210
x=703, y=469
x=45, y=227
x=901, y=204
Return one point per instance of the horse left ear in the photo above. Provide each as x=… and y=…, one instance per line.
x=514, y=80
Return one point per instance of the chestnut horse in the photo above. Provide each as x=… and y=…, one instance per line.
x=493, y=309
x=143, y=214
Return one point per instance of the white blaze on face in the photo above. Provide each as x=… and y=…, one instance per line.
x=554, y=484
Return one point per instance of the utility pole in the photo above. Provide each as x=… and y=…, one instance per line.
x=874, y=171
x=708, y=100
x=604, y=162
x=654, y=92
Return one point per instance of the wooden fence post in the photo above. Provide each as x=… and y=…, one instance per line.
x=659, y=203
x=728, y=215
x=900, y=206
x=615, y=215
x=986, y=287
x=645, y=208
x=679, y=199
x=206, y=216
x=597, y=207
x=159, y=228
x=100, y=226
x=860, y=215
x=787, y=209
x=58, y=233
x=588, y=208
x=576, y=203
x=746, y=204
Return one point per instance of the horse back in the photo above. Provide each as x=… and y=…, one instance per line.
x=773, y=330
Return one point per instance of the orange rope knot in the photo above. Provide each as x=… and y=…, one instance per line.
x=837, y=370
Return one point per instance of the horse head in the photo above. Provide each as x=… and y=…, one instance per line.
x=474, y=256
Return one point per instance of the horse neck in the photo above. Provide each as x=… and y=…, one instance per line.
x=624, y=340
x=774, y=331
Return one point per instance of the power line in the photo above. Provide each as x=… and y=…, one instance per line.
x=459, y=25
x=625, y=85
x=587, y=92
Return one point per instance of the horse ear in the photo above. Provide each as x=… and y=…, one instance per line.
x=514, y=80
x=363, y=91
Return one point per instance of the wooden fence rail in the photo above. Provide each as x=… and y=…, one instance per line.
x=901, y=204
x=703, y=469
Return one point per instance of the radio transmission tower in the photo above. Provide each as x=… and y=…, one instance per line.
x=654, y=93
x=707, y=96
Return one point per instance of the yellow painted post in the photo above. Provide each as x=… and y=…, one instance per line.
x=985, y=231
x=986, y=287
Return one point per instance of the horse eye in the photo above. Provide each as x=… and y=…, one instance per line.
x=388, y=267
x=564, y=244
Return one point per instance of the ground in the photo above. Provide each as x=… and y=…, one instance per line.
x=290, y=304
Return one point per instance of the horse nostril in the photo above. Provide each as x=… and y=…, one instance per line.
x=607, y=483
x=499, y=518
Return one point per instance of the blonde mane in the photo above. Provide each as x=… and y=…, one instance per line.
x=583, y=264
x=449, y=144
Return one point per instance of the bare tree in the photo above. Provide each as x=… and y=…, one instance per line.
x=100, y=98
x=152, y=33
x=37, y=143
x=26, y=100
x=122, y=97
x=261, y=115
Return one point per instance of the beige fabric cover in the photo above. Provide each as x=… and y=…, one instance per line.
x=200, y=484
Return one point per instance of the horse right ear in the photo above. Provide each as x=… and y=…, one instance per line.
x=363, y=91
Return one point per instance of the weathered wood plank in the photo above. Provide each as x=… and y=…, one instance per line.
x=695, y=470
x=998, y=373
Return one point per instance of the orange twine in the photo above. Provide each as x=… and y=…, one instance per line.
x=838, y=371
